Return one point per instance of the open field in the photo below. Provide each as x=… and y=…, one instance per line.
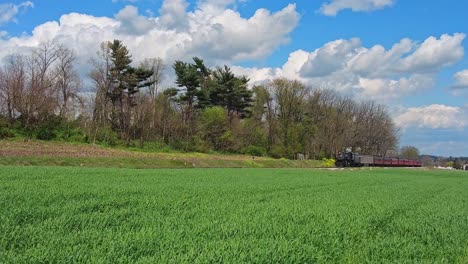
x=56, y=214
x=43, y=153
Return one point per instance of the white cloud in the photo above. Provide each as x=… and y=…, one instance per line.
x=230, y=36
x=133, y=24
x=330, y=58
x=462, y=78
x=407, y=68
x=176, y=34
x=389, y=89
x=174, y=15
x=9, y=11
x=434, y=54
x=433, y=116
x=217, y=6
x=408, y=57
x=377, y=61
x=257, y=75
x=332, y=7
x=461, y=83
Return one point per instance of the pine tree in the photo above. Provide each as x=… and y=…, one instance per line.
x=231, y=92
x=126, y=83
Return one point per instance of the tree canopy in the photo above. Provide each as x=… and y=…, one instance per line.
x=207, y=108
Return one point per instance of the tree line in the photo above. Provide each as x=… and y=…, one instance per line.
x=207, y=109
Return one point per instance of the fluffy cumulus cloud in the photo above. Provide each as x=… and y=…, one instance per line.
x=435, y=53
x=131, y=23
x=215, y=6
x=332, y=7
x=219, y=37
x=330, y=58
x=174, y=15
x=8, y=11
x=407, y=68
x=434, y=117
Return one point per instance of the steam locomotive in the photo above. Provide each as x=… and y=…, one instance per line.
x=350, y=159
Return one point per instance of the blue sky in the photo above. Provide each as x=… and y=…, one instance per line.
x=408, y=55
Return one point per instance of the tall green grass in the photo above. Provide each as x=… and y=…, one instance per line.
x=66, y=215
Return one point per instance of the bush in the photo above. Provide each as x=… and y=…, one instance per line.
x=328, y=163
x=254, y=151
x=6, y=133
x=70, y=132
x=49, y=128
x=76, y=137
x=107, y=136
x=56, y=128
x=45, y=133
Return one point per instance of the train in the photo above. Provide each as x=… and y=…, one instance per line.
x=350, y=159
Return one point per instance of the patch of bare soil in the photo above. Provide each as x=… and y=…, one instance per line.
x=35, y=148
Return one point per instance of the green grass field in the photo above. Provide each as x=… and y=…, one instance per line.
x=66, y=215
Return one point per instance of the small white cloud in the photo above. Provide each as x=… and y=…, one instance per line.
x=462, y=78
x=433, y=116
x=9, y=11
x=461, y=83
x=332, y=7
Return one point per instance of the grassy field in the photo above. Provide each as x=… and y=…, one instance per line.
x=44, y=153
x=65, y=215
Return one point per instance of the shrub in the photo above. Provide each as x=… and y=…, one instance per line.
x=76, y=137
x=328, y=163
x=6, y=133
x=107, y=136
x=45, y=133
x=71, y=132
x=49, y=128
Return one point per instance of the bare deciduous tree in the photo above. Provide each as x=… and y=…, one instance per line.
x=67, y=81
